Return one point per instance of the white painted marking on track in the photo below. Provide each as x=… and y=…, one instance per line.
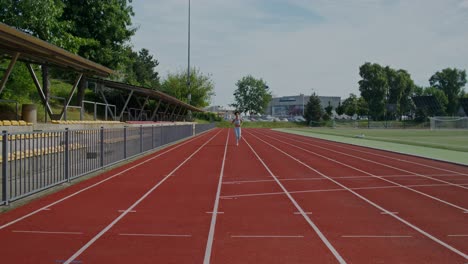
x=299, y=208
x=440, y=242
x=131, y=211
x=375, y=236
x=299, y=213
x=378, y=177
x=94, y=185
x=47, y=232
x=215, y=213
x=46, y=209
x=108, y=227
x=156, y=235
x=265, y=236
x=389, y=213
x=209, y=242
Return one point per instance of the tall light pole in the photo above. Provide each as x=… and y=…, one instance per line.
x=188, y=57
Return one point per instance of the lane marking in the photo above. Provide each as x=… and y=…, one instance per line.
x=215, y=212
x=122, y=211
x=367, y=236
x=47, y=232
x=156, y=235
x=389, y=213
x=299, y=208
x=388, y=166
x=377, y=177
x=107, y=228
x=74, y=262
x=46, y=209
x=265, y=236
x=209, y=242
x=375, y=154
x=440, y=242
x=299, y=213
x=96, y=184
x=330, y=190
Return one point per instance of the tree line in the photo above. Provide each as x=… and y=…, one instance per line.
x=101, y=32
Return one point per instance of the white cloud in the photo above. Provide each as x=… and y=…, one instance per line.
x=231, y=39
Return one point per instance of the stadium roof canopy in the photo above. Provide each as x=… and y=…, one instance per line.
x=27, y=48
x=166, y=107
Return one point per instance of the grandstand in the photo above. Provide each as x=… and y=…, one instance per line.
x=428, y=104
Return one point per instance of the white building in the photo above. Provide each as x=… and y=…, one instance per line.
x=294, y=105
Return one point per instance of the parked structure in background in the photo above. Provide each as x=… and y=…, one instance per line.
x=221, y=111
x=287, y=106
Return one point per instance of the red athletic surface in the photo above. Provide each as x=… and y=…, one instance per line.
x=256, y=221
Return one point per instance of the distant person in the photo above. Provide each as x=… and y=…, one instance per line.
x=237, y=121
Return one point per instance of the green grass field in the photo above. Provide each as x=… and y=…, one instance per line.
x=442, y=139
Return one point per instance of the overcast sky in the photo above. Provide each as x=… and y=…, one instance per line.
x=301, y=46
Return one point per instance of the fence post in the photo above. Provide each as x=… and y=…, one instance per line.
x=152, y=137
x=125, y=142
x=102, y=147
x=141, y=138
x=67, y=154
x=5, y=167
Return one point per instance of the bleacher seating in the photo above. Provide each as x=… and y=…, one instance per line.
x=78, y=122
x=14, y=123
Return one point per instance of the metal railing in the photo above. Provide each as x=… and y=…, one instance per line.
x=35, y=161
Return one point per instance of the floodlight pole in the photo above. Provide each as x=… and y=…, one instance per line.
x=188, y=57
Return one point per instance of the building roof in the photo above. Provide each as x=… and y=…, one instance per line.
x=37, y=51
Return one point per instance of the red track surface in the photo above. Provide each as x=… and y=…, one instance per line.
x=276, y=198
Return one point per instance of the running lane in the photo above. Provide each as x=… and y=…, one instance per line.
x=363, y=223
x=257, y=222
x=171, y=224
x=60, y=224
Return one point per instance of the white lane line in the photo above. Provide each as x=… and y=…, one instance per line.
x=458, y=235
x=378, y=177
x=433, y=238
x=47, y=232
x=330, y=190
x=215, y=212
x=94, y=185
x=299, y=213
x=367, y=236
x=265, y=236
x=156, y=235
x=372, y=153
x=299, y=208
x=46, y=209
x=379, y=155
x=107, y=228
x=122, y=211
x=389, y=213
x=209, y=242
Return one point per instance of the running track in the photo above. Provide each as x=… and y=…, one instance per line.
x=276, y=198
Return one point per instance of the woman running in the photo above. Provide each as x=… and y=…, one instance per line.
x=237, y=121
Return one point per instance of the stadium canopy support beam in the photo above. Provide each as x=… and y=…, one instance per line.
x=178, y=113
x=167, y=108
x=155, y=110
x=70, y=96
x=126, y=104
x=143, y=108
x=105, y=100
x=8, y=71
x=41, y=93
x=172, y=114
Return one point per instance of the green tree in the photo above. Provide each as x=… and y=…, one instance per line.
x=350, y=105
x=313, y=111
x=374, y=88
x=141, y=70
x=251, y=96
x=340, y=109
x=201, y=87
x=108, y=23
x=451, y=82
x=362, y=107
x=400, y=88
